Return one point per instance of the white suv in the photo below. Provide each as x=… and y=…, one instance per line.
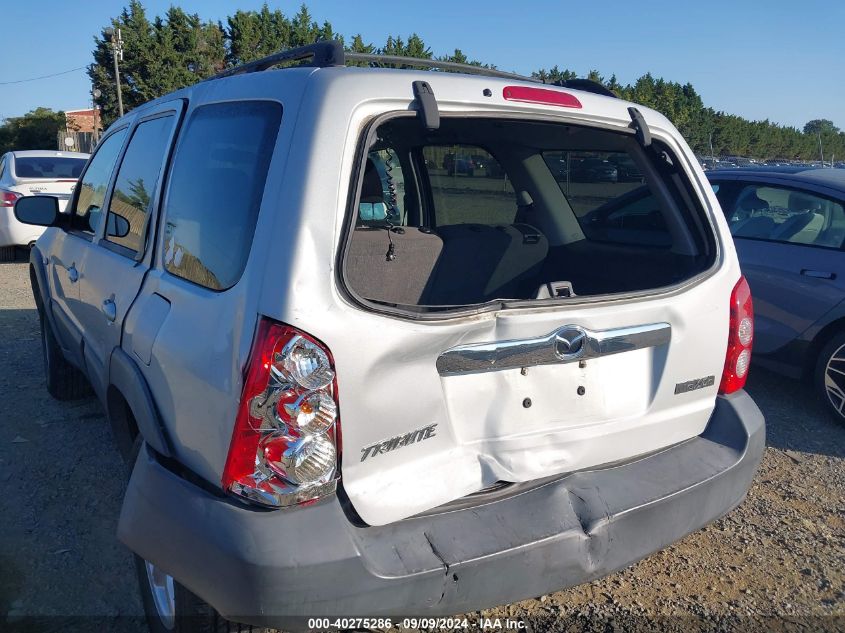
x=353, y=382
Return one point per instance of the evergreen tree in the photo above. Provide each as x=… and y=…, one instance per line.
x=178, y=49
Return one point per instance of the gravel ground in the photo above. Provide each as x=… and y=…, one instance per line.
x=775, y=563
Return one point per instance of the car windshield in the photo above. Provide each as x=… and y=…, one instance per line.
x=48, y=167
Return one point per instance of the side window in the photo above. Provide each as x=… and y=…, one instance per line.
x=2, y=166
x=610, y=198
x=787, y=215
x=136, y=182
x=215, y=190
x=468, y=185
x=92, y=187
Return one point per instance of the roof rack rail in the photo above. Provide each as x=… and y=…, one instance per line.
x=322, y=55
x=433, y=63
x=330, y=53
x=586, y=85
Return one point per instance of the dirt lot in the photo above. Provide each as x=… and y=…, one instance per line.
x=775, y=563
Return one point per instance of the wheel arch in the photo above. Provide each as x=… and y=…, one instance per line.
x=131, y=408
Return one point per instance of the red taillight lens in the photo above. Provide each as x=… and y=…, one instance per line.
x=7, y=198
x=284, y=447
x=740, y=339
x=544, y=96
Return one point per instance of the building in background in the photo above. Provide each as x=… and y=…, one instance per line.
x=82, y=129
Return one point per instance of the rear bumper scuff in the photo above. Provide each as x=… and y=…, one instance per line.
x=263, y=567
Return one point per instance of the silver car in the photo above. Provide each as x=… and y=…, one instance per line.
x=351, y=383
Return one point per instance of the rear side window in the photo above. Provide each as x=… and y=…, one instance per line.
x=610, y=197
x=92, y=189
x=215, y=190
x=136, y=183
x=791, y=216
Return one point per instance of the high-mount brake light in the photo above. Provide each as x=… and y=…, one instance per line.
x=740, y=339
x=8, y=198
x=542, y=96
x=284, y=449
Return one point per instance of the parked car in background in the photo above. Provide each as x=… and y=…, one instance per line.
x=789, y=228
x=456, y=164
x=27, y=173
x=626, y=169
x=593, y=170
x=524, y=403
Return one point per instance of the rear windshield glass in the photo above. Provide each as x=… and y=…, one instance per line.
x=485, y=210
x=48, y=167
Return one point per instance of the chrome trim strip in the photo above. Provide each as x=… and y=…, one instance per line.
x=567, y=344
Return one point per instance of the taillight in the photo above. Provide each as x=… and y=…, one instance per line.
x=7, y=198
x=284, y=448
x=740, y=338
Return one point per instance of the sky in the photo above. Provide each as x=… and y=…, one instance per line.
x=782, y=60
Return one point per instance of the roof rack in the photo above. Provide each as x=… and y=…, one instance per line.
x=330, y=53
x=586, y=85
x=321, y=54
x=433, y=63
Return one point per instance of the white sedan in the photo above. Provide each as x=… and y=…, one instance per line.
x=29, y=173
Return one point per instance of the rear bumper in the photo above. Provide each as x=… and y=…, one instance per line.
x=263, y=566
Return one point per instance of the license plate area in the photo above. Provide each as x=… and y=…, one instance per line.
x=518, y=403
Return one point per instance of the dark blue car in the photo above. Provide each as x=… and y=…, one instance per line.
x=789, y=228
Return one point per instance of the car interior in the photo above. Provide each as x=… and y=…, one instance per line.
x=787, y=215
x=516, y=227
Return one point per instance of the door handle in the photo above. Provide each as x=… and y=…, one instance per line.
x=73, y=274
x=110, y=309
x=818, y=274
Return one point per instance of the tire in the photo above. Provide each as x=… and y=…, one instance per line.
x=189, y=614
x=64, y=381
x=8, y=253
x=829, y=377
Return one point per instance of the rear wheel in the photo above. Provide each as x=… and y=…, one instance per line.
x=171, y=608
x=829, y=379
x=64, y=381
x=7, y=253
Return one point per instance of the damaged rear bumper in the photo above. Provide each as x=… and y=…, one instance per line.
x=264, y=566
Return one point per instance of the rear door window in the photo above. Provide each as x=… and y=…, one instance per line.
x=787, y=215
x=137, y=178
x=215, y=189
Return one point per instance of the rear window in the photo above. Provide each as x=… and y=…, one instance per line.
x=495, y=211
x=48, y=167
x=216, y=185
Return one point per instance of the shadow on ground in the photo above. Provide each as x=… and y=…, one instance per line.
x=795, y=419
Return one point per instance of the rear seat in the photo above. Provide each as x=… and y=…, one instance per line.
x=459, y=264
x=481, y=262
x=453, y=265
x=401, y=280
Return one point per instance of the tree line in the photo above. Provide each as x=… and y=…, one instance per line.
x=168, y=52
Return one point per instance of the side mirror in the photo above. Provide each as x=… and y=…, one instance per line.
x=118, y=226
x=37, y=210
